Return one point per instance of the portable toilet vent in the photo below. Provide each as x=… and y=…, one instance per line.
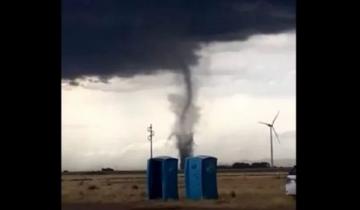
x=200, y=177
x=162, y=178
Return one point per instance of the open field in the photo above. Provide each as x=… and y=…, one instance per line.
x=237, y=190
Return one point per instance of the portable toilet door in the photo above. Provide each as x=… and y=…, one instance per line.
x=154, y=178
x=169, y=178
x=162, y=178
x=193, y=183
x=209, y=182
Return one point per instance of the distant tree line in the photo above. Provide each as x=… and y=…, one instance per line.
x=107, y=169
x=92, y=172
x=246, y=165
x=236, y=165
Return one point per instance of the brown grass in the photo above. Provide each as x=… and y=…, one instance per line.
x=236, y=190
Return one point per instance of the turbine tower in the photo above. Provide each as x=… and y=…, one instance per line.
x=271, y=126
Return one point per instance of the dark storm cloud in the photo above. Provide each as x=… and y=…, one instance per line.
x=110, y=37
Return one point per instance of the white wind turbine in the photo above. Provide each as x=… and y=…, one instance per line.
x=271, y=126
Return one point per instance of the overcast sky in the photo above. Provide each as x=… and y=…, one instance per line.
x=239, y=78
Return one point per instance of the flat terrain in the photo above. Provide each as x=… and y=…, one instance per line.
x=113, y=191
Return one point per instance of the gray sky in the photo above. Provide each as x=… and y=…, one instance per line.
x=238, y=83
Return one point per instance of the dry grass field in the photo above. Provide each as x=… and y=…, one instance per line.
x=237, y=190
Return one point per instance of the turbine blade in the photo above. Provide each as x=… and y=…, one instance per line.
x=277, y=136
x=171, y=135
x=275, y=117
x=264, y=123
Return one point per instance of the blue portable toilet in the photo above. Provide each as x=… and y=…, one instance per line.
x=162, y=178
x=200, y=177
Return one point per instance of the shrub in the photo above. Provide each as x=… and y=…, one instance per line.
x=241, y=165
x=93, y=187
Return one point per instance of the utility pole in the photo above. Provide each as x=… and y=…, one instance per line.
x=152, y=133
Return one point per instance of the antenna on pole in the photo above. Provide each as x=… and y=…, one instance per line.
x=152, y=133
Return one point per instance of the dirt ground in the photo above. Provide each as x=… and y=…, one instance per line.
x=237, y=190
